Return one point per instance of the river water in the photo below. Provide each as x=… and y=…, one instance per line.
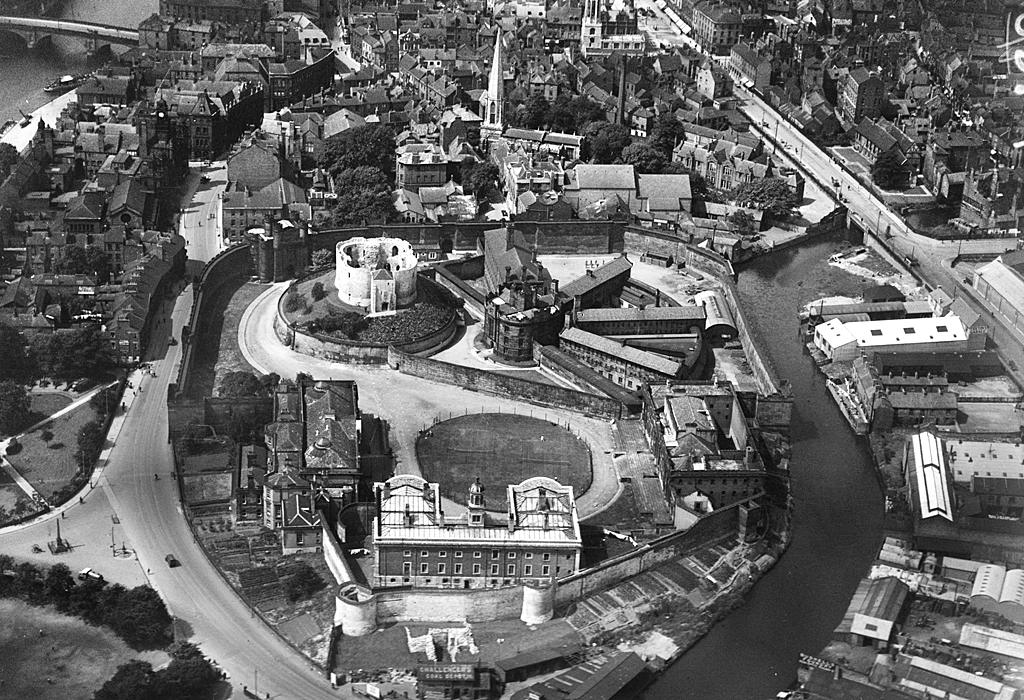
x=838, y=508
x=24, y=74
x=837, y=519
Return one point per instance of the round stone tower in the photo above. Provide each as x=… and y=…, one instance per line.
x=538, y=603
x=378, y=274
x=355, y=610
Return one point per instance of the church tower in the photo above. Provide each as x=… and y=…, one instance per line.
x=492, y=102
x=590, y=35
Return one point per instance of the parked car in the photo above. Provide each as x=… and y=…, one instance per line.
x=172, y=561
x=89, y=573
x=82, y=384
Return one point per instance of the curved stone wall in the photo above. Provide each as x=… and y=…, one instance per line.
x=538, y=604
x=355, y=610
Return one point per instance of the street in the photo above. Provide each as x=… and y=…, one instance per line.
x=200, y=221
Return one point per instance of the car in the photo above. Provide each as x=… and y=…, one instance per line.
x=82, y=384
x=90, y=573
x=172, y=561
x=173, y=341
x=204, y=179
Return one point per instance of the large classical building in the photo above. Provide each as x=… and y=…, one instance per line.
x=611, y=29
x=416, y=544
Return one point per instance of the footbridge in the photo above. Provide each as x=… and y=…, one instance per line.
x=94, y=36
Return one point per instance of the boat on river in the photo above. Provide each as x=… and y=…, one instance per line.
x=66, y=82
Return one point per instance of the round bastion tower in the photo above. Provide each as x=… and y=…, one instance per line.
x=377, y=274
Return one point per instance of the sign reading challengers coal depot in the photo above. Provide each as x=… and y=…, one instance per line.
x=447, y=672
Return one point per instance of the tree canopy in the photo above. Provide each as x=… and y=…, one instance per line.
x=644, y=157
x=771, y=194
x=482, y=179
x=364, y=195
x=667, y=131
x=238, y=384
x=890, y=170
x=84, y=260
x=14, y=406
x=91, y=438
x=70, y=354
x=17, y=363
x=605, y=141
x=362, y=145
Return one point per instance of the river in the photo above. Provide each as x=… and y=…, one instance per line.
x=24, y=74
x=837, y=518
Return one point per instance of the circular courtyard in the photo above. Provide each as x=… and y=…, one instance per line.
x=501, y=449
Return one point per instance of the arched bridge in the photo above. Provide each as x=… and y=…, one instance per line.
x=92, y=35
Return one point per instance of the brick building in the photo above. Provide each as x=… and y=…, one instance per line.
x=860, y=95
x=416, y=544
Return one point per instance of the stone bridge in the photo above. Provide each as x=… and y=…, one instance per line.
x=93, y=36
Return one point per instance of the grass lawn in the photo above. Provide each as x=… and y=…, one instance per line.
x=67, y=659
x=501, y=449
x=47, y=404
x=50, y=465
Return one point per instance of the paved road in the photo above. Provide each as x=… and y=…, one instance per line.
x=200, y=222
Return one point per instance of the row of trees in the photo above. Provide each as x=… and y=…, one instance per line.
x=136, y=615
x=565, y=114
x=63, y=356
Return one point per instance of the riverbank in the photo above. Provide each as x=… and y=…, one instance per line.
x=20, y=136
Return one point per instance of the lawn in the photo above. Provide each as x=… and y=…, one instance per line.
x=49, y=655
x=47, y=404
x=49, y=465
x=501, y=449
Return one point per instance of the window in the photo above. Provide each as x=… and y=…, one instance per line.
x=547, y=556
x=510, y=570
x=528, y=555
x=494, y=569
x=476, y=569
x=876, y=332
x=458, y=554
x=545, y=570
x=908, y=331
x=407, y=568
x=458, y=568
x=495, y=553
x=407, y=553
x=442, y=554
x=442, y=568
x=942, y=329
x=477, y=555
x=424, y=553
x=528, y=570
x=423, y=568
x=511, y=555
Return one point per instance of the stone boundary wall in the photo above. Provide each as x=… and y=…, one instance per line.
x=449, y=605
x=765, y=374
x=452, y=275
x=712, y=527
x=503, y=385
x=361, y=352
x=235, y=255
x=641, y=240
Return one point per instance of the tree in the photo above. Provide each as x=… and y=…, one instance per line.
x=317, y=291
x=8, y=157
x=666, y=133
x=572, y=114
x=743, y=221
x=84, y=260
x=890, y=170
x=58, y=584
x=364, y=195
x=238, y=384
x=353, y=148
x=321, y=258
x=14, y=406
x=304, y=582
x=17, y=363
x=536, y=113
x=131, y=681
x=771, y=194
x=91, y=438
x=605, y=141
x=139, y=617
x=643, y=157
x=483, y=179
x=70, y=354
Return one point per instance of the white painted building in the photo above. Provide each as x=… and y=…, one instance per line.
x=841, y=341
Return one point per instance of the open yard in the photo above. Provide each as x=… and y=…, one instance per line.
x=49, y=655
x=47, y=458
x=501, y=449
x=46, y=404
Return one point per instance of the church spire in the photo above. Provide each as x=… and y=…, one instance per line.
x=493, y=101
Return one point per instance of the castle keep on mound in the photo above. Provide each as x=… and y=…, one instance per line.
x=377, y=274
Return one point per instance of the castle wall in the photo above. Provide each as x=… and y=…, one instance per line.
x=455, y=605
x=503, y=385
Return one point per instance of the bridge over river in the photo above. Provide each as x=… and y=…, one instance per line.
x=94, y=36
